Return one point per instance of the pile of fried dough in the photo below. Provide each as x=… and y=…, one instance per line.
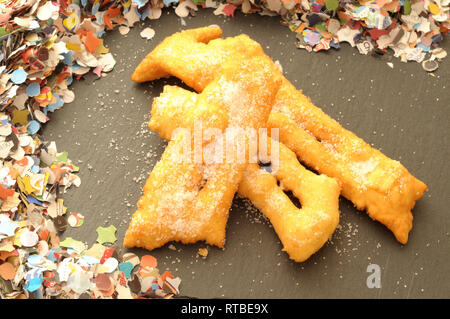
x=237, y=85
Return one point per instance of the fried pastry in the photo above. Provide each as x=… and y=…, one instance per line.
x=372, y=181
x=187, y=200
x=302, y=231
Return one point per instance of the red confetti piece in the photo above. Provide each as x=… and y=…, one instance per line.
x=229, y=10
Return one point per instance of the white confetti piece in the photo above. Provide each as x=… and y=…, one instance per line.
x=124, y=30
x=182, y=9
x=147, y=33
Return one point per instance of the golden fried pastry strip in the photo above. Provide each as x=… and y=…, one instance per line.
x=197, y=44
x=371, y=180
x=301, y=231
x=188, y=201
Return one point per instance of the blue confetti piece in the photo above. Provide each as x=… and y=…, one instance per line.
x=126, y=268
x=75, y=66
x=91, y=260
x=83, y=2
x=140, y=3
x=33, y=127
x=424, y=47
x=35, y=260
x=52, y=107
x=95, y=8
x=437, y=38
x=334, y=45
x=33, y=89
x=168, y=2
x=359, y=9
x=8, y=228
x=101, y=33
x=155, y=287
x=19, y=76
x=33, y=284
x=33, y=200
x=69, y=81
x=145, y=14
x=52, y=255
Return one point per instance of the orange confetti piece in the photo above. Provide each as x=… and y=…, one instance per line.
x=5, y=254
x=5, y=192
x=300, y=28
x=91, y=42
x=7, y=271
x=166, y=274
x=43, y=234
x=63, y=75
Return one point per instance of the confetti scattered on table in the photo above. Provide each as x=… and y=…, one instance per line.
x=37, y=264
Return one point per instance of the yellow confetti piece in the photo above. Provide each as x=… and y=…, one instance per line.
x=22, y=223
x=28, y=187
x=7, y=246
x=17, y=235
x=101, y=49
x=71, y=22
x=434, y=9
x=60, y=202
x=20, y=117
x=49, y=43
x=126, y=4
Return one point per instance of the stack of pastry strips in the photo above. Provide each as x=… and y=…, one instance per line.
x=348, y=165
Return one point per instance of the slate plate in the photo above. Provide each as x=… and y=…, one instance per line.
x=403, y=111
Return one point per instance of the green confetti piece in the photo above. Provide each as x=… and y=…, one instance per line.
x=106, y=234
x=64, y=158
x=407, y=7
x=3, y=31
x=293, y=27
x=332, y=5
x=320, y=26
x=61, y=158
